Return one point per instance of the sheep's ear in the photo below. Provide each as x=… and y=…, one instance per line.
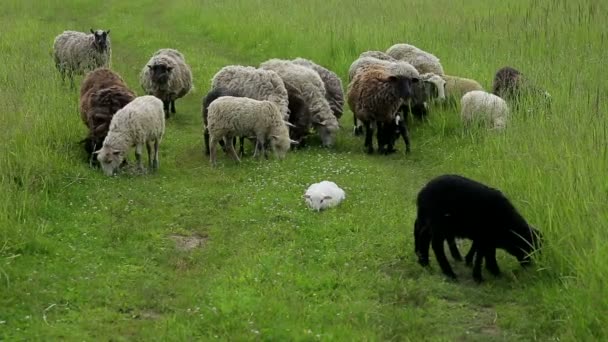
x=294, y=142
x=305, y=196
x=327, y=197
x=289, y=124
x=108, y=32
x=116, y=152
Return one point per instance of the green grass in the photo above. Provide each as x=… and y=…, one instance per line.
x=86, y=257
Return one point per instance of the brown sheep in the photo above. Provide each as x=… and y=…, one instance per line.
x=102, y=94
x=374, y=96
x=510, y=84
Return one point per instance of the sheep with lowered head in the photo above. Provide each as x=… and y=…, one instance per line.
x=333, y=85
x=230, y=117
x=511, y=85
x=308, y=83
x=323, y=195
x=452, y=206
x=484, y=107
x=166, y=76
x=423, y=61
x=456, y=87
x=375, y=95
x=141, y=122
x=75, y=53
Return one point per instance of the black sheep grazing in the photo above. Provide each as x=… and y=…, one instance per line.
x=511, y=85
x=300, y=117
x=452, y=206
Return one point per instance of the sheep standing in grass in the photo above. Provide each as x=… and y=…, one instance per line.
x=211, y=96
x=323, y=195
x=333, y=85
x=75, y=53
x=257, y=84
x=168, y=77
x=452, y=206
x=423, y=61
x=230, y=117
x=309, y=85
x=456, y=87
x=102, y=94
x=485, y=107
x=374, y=96
x=139, y=123
x=511, y=85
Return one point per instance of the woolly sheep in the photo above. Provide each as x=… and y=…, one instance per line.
x=139, y=123
x=75, y=53
x=211, y=96
x=456, y=87
x=300, y=118
x=510, y=84
x=323, y=195
x=333, y=85
x=452, y=206
x=377, y=54
x=431, y=87
x=231, y=116
x=257, y=84
x=102, y=93
x=166, y=76
x=308, y=83
x=486, y=107
x=423, y=61
x=374, y=96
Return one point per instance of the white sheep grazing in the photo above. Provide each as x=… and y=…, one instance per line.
x=230, y=116
x=423, y=61
x=485, y=107
x=308, y=83
x=257, y=84
x=439, y=85
x=166, y=76
x=323, y=195
x=141, y=122
x=75, y=53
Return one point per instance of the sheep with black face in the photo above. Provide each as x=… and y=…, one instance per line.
x=76, y=53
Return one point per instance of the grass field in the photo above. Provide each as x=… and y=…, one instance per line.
x=86, y=257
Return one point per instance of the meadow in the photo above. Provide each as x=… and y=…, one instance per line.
x=87, y=257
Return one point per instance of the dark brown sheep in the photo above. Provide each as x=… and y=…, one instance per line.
x=102, y=94
x=374, y=96
x=510, y=84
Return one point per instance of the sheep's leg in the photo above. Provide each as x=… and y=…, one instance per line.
x=357, y=129
x=369, y=133
x=166, y=109
x=406, y=137
x=242, y=146
x=138, y=150
x=471, y=254
x=155, y=162
x=454, y=249
x=491, y=264
x=380, y=135
x=422, y=242
x=231, y=151
x=206, y=138
x=212, y=151
x=437, y=243
x=173, y=106
x=149, y=150
x=477, y=266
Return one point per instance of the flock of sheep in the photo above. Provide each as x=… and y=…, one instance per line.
x=278, y=104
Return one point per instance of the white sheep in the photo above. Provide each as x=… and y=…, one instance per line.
x=166, y=76
x=253, y=83
x=438, y=86
x=308, y=83
x=230, y=116
x=334, y=92
x=423, y=61
x=481, y=106
x=75, y=53
x=377, y=54
x=323, y=195
x=141, y=122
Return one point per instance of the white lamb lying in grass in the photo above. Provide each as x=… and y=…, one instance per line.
x=324, y=195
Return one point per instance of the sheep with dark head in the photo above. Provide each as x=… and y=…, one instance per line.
x=102, y=94
x=452, y=206
x=76, y=53
x=511, y=85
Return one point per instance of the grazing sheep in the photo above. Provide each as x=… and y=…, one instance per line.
x=333, y=85
x=377, y=54
x=308, y=83
x=141, y=122
x=300, y=118
x=230, y=117
x=323, y=195
x=166, y=76
x=431, y=88
x=374, y=96
x=257, y=84
x=102, y=94
x=452, y=206
x=511, y=85
x=456, y=87
x=485, y=107
x=423, y=61
x=77, y=52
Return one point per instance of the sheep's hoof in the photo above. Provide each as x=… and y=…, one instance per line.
x=357, y=131
x=452, y=277
x=423, y=262
x=370, y=150
x=477, y=277
x=155, y=165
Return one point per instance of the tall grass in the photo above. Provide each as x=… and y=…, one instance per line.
x=552, y=164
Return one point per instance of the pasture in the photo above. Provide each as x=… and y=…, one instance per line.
x=88, y=257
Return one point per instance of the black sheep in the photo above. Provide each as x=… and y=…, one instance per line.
x=452, y=206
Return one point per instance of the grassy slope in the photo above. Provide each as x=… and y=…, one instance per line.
x=87, y=257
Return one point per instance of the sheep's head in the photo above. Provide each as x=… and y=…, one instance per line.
x=280, y=144
x=327, y=128
x=316, y=200
x=101, y=39
x=110, y=159
x=404, y=86
x=159, y=73
x=523, y=243
x=434, y=86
